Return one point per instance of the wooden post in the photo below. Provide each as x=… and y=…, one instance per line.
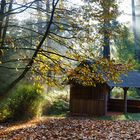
x=125, y=100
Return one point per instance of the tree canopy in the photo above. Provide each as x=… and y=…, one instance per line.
x=54, y=37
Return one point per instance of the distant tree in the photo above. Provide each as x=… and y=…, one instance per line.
x=125, y=44
x=135, y=31
x=104, y=15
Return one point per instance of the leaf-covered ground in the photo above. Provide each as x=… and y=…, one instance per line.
x=71, y=129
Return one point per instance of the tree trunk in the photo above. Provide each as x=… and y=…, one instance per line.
x=106, y=36
x=136, y=46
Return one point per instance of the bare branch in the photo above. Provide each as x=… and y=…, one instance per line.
x=29, y=65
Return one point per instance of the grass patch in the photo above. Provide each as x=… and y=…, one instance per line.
x=123, y=117
x=128, y=116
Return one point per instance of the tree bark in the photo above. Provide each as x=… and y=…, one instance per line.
x=106, y=36
x=6, y=24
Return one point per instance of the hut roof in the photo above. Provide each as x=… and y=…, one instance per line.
x=132, y=79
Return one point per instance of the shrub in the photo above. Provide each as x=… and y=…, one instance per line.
x=23, y=103
x=59, y=107
x=56, y=103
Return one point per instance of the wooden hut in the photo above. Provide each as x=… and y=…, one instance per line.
x=95, y=101
x=87, y=100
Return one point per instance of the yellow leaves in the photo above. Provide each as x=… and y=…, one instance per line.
x=57, y=68
x=54, y=54
x=99, y=71
x=49, y=68
x=55, y=57
x=58, y=18
x=61, y=28
x=38, y=88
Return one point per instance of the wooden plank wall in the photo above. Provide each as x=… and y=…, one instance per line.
x=87, y=101
x=87, y=107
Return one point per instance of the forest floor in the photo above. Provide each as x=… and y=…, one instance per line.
x=50, y=128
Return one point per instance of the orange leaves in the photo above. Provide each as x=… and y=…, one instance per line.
x=54, y=71
x=72, y=129
x=91, y=72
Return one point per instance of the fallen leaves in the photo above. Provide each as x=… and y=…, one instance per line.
x=72, y=129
